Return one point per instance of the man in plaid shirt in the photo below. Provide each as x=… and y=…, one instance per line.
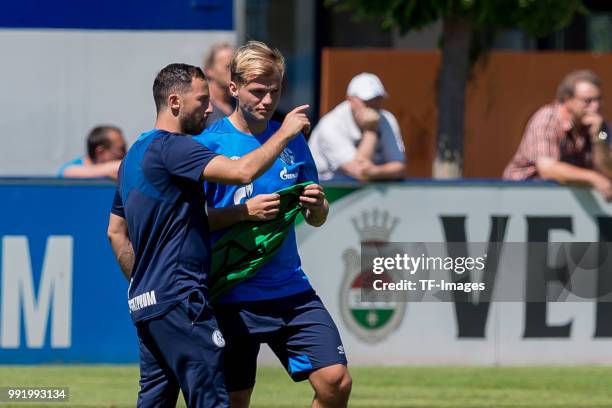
x=567, y=141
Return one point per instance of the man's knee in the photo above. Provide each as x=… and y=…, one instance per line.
x=343, y=383
x=240, y=399
x=333, y=382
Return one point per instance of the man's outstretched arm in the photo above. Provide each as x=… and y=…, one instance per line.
x=249, y=167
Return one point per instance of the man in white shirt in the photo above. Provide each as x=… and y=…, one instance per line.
x=358, y=138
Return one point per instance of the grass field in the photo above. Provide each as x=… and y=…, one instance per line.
x=376, y=387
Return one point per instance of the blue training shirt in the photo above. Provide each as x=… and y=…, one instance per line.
x=282, y=275
x=160, y=195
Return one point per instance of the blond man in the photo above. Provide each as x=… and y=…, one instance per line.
x=277, y=306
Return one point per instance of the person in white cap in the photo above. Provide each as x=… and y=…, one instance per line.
x=358, y=138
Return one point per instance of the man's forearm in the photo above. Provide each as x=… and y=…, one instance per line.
x=124, y=253
x=388, y=171
x=564, y=173
x=219, y=218
x=367, y=146
x=246, y=169
x=108, y=169
x=258, y=161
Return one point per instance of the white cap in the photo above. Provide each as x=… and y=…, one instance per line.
x=366, y=86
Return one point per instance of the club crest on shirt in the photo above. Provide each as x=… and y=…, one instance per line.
x=287, y=157
x=218, y=339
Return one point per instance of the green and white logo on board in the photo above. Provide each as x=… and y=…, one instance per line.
x=374, y=320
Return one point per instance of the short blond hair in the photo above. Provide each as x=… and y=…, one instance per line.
x=255, y=59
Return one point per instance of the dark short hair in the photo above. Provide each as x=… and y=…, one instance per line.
x=567, y=87
x=98, y=136
x=174, y=78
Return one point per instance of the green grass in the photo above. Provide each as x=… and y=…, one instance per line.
x=376, y=387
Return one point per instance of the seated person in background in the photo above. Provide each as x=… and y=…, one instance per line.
x=105, y=150
x=358, y=138
x=567, y=141
x=217, y=70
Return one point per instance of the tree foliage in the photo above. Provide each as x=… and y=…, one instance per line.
x=468, y=29
x=535, y=17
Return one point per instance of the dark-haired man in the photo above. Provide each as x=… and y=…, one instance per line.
x=105, y=149
x=567, y=141
x=159, y=234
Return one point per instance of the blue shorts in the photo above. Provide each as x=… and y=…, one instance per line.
x=182, y=349
x=298, y=329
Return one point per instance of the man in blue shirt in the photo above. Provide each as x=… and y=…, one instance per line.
x=105, y=149
x=159, y=234
x=277, y=305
